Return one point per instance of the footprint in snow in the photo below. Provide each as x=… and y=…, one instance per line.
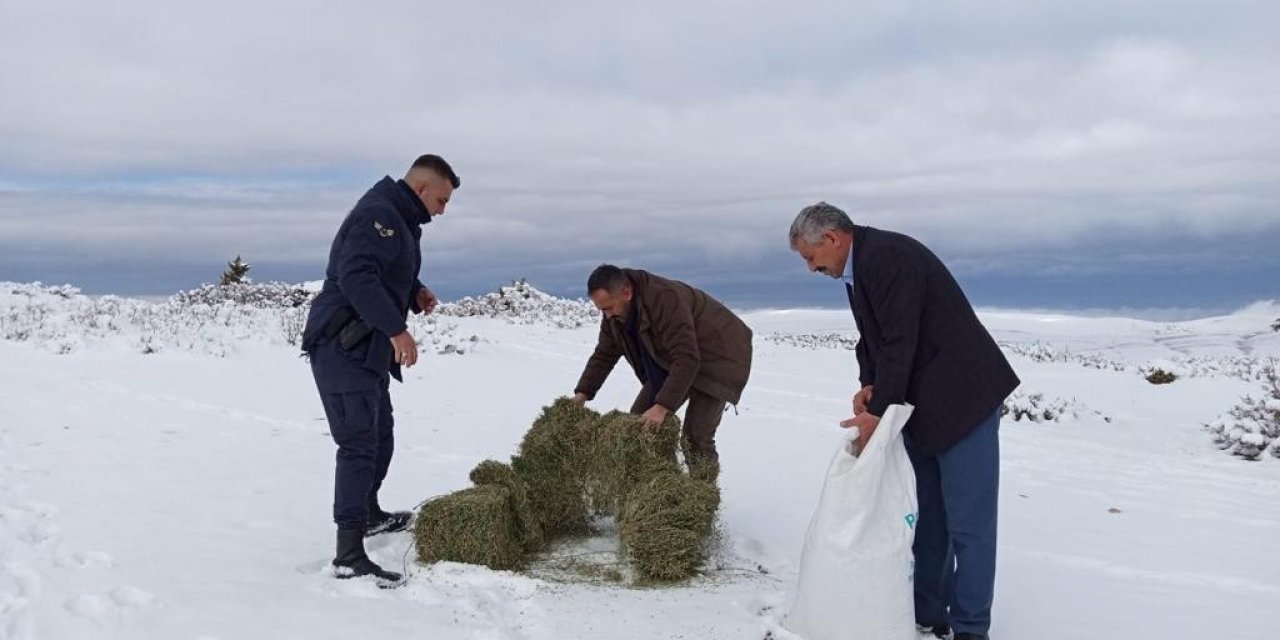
x=122, y=602
x=85, y=560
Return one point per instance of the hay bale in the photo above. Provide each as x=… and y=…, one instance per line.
x=704, y=468
x=551, y=464
x=626, y=454
x=492, y=472
x=665, y=517
x=666, y=524
x=529, y=529
x=475, y=526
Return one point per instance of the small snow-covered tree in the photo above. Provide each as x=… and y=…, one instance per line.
x=1252, y=427
x=1275, y=326
x=236, y=271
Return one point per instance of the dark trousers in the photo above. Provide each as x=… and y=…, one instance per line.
x=362, y=425
x=955, y=543
x=701, y=419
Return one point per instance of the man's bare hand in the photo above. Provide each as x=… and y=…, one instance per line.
x=426, y=300
x=654, y=416
x=580, y=399
x=861, y=399
x=866, y=424
x=405, y=349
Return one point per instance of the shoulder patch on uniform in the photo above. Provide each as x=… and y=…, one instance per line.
x=383, y=231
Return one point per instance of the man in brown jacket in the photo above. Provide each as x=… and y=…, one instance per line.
x=682, y=344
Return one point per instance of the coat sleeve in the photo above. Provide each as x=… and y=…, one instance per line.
x=895, y=288
x=600, y=364
x=673, y=320
x=363, y=257
x=866, y=368
x=413, y=296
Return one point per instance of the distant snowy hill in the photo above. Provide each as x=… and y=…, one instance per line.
x=166, y=472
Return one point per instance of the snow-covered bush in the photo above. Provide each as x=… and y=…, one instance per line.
x=522, y=303
x=214, y=320
x=1252, y=427
x=267, y=295
x=1247, y=368
x=1038, y=407
x=1041, y=352
x=292, y=321
x=1240, y=367
x=814, y=340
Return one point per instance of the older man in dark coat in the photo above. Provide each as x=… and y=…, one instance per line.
x=681, y=343
x=921, y=343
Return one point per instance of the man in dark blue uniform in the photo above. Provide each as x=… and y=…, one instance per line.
x=920, y=342
x=357, y=339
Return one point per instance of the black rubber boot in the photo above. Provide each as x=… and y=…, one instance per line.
x=937, y=630
x=387, y=522
x=352, y=562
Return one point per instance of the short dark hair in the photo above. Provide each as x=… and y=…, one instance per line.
x=438, y=166
x=606, y=277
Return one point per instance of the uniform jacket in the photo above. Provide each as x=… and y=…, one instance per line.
x=373, y=269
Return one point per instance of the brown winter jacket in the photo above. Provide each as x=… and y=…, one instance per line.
x=699, y=342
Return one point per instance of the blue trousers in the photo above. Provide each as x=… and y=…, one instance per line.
x=955, y=543
x=362, y=425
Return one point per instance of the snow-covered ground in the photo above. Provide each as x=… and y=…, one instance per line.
x=183, y=490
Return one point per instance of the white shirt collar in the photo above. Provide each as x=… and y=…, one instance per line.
x=847, y=276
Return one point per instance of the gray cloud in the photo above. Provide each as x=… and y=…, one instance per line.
x=658, y=132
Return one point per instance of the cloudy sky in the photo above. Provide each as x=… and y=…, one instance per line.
x=1091, y=154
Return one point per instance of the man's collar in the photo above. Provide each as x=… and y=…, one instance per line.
x=847, y=275
x=633, y=315
x=417, y=212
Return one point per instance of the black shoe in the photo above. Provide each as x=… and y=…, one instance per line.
x=352, y=562
x=383, y=522
x=938, y=630
x=969, y=636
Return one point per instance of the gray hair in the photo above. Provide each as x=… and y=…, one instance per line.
x=817, y=219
